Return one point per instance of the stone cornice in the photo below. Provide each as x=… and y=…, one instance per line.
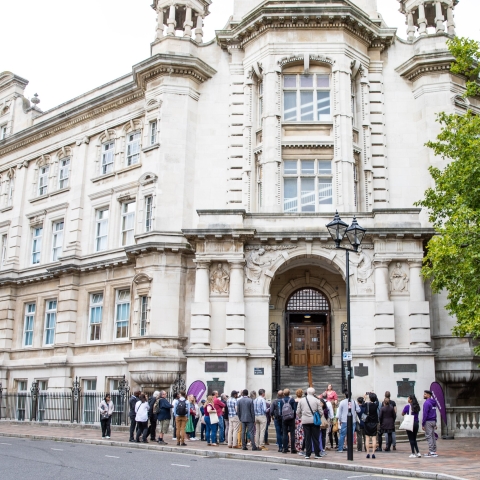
x=426, y=64
x=273, y=14
x=9, y=78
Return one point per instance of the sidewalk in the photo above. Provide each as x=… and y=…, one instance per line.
x=459, y=458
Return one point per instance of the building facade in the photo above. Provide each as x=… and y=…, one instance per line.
x=164, y=223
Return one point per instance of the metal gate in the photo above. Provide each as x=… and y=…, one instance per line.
x=274, y=342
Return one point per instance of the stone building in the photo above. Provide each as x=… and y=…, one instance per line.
x=159, y=224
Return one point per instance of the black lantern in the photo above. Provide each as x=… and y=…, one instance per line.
x=337, y=229
x=355, y=234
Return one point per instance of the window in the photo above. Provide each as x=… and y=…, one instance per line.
x=122, y=313
x=307, y=186
x=260, y=104
x=50, y=321
x=64, y=173
x=128, y=223
x=28, y=327
x=148, y=213
x=133, y=148
x=143, y=315
x=4, y=250
x=114, y=384
x=57, y=240
x=306, y=98
x=10, y=192
x=43, y=385
x=90, y=385
x=259, y=184
x=43, y=181
x=101, y=229
x=153, y=132
x=96, y=311
x=107, y=157
x=22, y=385
x=3, y=132
x=37, y=244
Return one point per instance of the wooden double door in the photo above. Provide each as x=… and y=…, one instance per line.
x=309, y=338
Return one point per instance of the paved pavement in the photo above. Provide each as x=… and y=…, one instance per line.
x=459, y=458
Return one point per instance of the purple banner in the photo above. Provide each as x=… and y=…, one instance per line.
x=439, y=397
x=197, y=389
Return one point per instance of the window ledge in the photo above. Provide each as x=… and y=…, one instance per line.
x=322, y=122
x=151, y=147
x=127, y=169
x=6, y=209
x=118, y=172
x=102, y=177
x=48, y=195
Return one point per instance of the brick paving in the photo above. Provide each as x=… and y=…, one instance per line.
x=459, y=458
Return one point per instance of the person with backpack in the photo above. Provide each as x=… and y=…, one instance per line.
x=246, y=415
x=152, y=429
x=162, y=409
x=288, y=421
x=182, y=414
x=276, y=413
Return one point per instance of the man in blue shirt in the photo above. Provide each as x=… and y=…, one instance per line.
x=260, y=408
x=233, y=421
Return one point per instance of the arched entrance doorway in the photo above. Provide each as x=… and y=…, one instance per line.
x=307, y=326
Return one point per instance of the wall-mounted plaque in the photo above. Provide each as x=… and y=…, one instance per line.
x=215, y=385
x=216, y=367
x=259, y=371
x=404, y=367
x=406, y=387
x=361, y=370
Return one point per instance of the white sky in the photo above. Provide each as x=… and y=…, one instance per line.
x=65, y=49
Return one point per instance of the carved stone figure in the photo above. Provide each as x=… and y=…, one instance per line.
x=219, y=280
x=364, y=267
x=254, y=265
x=398, y=279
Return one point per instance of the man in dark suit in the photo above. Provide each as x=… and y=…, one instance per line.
x=246, y=415
x=132, y=402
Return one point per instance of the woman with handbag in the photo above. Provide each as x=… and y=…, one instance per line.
x=309, y=409
x=370, y=419
x=299, y=434
x=106, y=411
x=211, y=421
x=333, y=430
x=190, y=427
x=413, y=408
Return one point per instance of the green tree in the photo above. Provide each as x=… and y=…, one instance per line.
x=453, y=255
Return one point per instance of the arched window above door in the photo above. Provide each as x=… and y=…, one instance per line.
x=307, y=299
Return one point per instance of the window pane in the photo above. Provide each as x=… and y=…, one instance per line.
x=290, y=201
x=290, y=81
x=325, y=194
x=290, y=167
x=325, y=167
x=323, y=105
x=323, y=81
x=290, y=106
x=308, y=194
x=308, y=166
x=306, y=104
x=306, y=81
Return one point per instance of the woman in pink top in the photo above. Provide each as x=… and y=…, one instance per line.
x=330, y=394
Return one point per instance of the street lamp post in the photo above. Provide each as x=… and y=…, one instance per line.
x=355, y=233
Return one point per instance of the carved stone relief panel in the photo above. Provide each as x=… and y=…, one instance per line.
x=399, y=279
x=219, y=279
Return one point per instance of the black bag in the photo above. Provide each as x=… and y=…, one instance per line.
x=182, y=408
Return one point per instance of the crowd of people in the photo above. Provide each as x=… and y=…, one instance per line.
x=305, y=424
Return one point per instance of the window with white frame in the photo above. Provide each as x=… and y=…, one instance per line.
x=307, y=186
x=10, y=188
x=50, y=321
x=122, y=313
x=21, y=385
x=96, y=313
x=63, y=173
x=3, y=132
x=128, y=223
x=133, y=148
x=148, y=213
x=43, y=385
x=153, y=132
x=306, y=98
x=4, y=249
x=260, y=104
x=43, y=180
x=259, y=184
x=37, y=244
x=101, y=229
x=114, y=384
x=143, y=315
x=90, y=385
x=107, y=157
x=57, y=240
x=28, y=325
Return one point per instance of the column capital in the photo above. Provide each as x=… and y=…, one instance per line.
x=415, y=262
x=236, y=264
x=381, y=263
x=202, y=263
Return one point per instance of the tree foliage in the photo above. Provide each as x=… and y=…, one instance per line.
x=453, y=256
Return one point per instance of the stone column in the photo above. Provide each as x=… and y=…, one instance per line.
x=417, y=287
x=199, y=29
x=201, y=309
x=450, y=21
x=418, y=311
x=439, y=18
x=384, y=313
x=8, y=295
x=422, y=21
x=411, y=27
x=159, y=31
x=67, y=308
x=187, y=26
x=235, y=308
x=171, y=23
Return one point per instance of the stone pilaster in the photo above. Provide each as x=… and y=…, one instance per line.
x=160, y=28
x=199, y=30
x=187, y=26
x=422, y=20
x=201, y=310
x=439, y=18
x=384, y=312
x=171, y=22
x=367, y=141
x=67, y=308
x=410, y=27
x=235, y=309
x=419, y=312
x=450, y=21
x=7, y=317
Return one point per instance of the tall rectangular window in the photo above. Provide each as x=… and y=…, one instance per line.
x=4, y=250
x=133, y=148
x=306, y=98
x=10, y=188
x=43, y=181
x=153, y=132
x=28, y=325
x=37, y=244
x=57, y=240
x=63, y=173
x=107, y=157
x=128, y=223
x=143, y=315
x=148, y=213
x=3, y=132
x=50, y=321
x=96, y=313
x=101, y=229
x=122, y=313
x=260, y=104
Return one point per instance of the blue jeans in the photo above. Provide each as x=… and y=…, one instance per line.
x=221, y=426
x=343, y=434
x=279, y=432
x=211, y=434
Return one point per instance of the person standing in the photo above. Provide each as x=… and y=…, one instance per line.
x=203, y=426
x=371, y=423
x=106, y=411
x=196, y=419
x=330, y=394
x=163, y=416
x=211, y=428
x=413, y=408
x=141, y=411
x=233, y=421
x=288, y=421
x=260, y=409
x=307, y=407
x=394, y=436
x=219, y=406
x=182, y=414
x=152, y=429
x=361, y=424
x=269, y=421
x=323, y=431
x=387, y=422
x=246, y=415
x=224, y=398
x=342, y=415
x=429, y=423
x=276, y=412
x=176, y=396
x=299, y=433
x=132, y=402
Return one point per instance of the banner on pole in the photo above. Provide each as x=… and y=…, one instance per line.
x=197, y=389
x=439, y=397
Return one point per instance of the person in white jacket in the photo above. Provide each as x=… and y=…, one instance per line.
x=106, y=408
x=141, y=410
